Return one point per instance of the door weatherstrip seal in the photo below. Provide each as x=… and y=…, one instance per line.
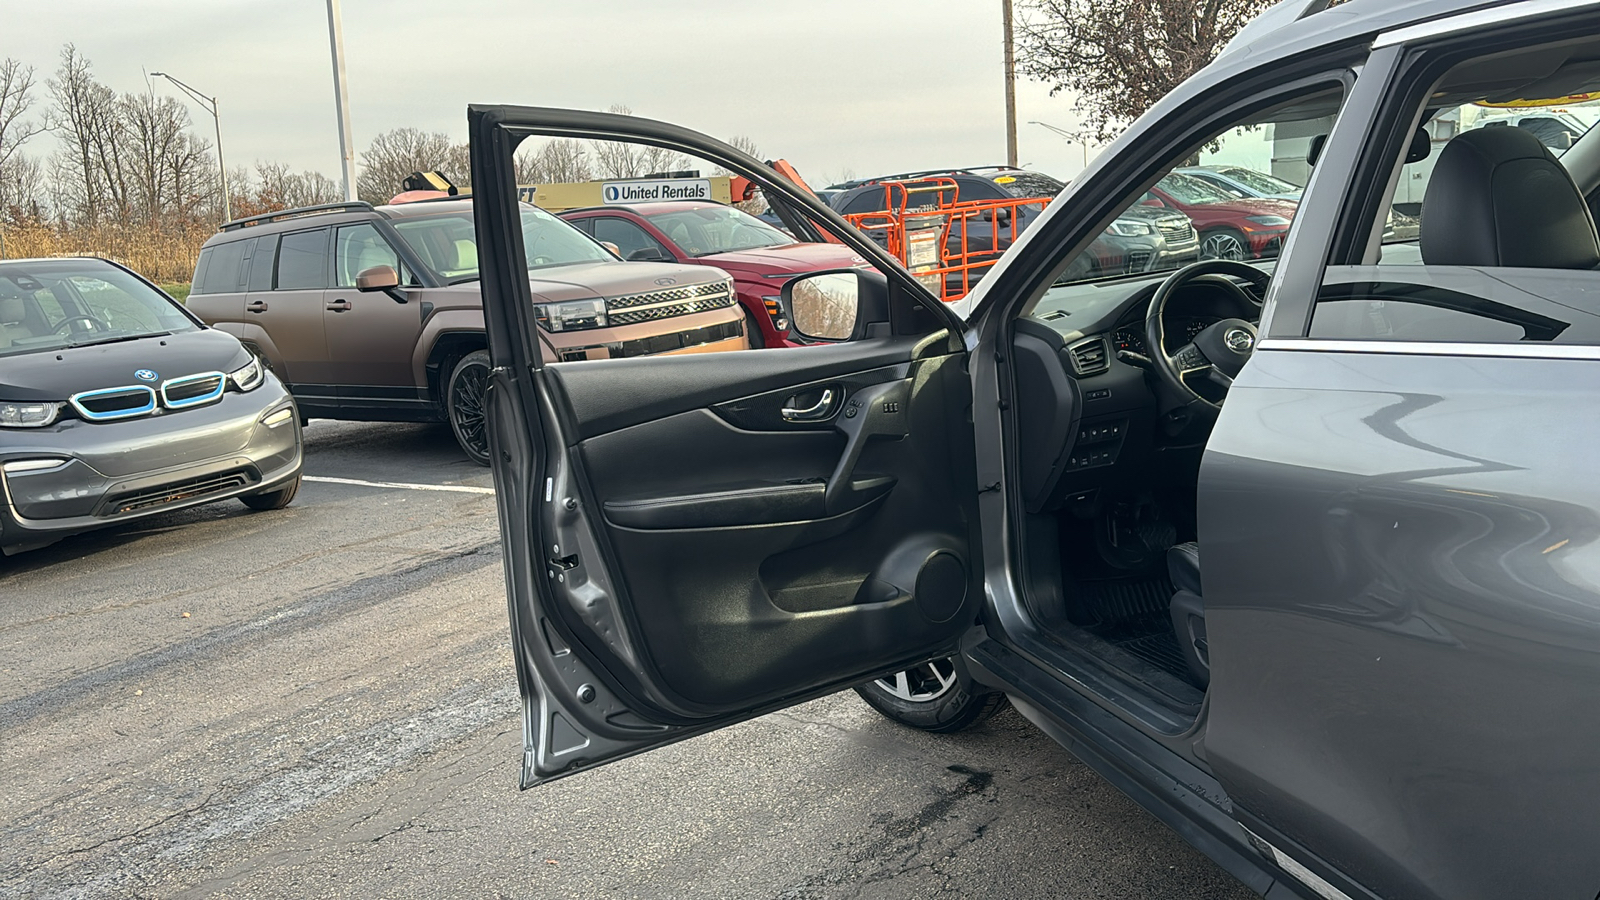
x=1477, y=19
x=1517, y=350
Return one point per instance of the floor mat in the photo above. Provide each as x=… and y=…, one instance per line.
x=1132, y=613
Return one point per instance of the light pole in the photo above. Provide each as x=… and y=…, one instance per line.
x=341, y=99
x=1082, y=144
x=1011, y=85
x=209, y=104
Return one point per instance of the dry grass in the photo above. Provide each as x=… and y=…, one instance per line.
x=163, y=256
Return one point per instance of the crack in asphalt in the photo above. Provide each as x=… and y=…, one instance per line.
x=316, y=610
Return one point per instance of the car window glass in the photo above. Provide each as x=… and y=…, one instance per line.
x=358, y=248
x=1486, y=239
x=303, y=260
x=448, y=243
x=52, y=305
x=262, y=262
x=1182, y=218
x=628, y=237
x=222, y=272
x=710, y=229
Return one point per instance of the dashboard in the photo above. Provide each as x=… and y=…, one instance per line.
x=1088, y=414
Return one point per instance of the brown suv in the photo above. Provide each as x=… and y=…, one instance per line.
x=373, y=313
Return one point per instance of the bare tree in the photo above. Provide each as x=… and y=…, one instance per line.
x=169, y=171
x=395, y=154
x=615, y=159
x=1120, y=56
x=560, y=161
x=756, y=205
x=88, y=170
x=274, y=187
x=16, y=98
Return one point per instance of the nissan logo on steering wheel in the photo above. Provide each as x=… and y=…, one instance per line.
x=1238, y=340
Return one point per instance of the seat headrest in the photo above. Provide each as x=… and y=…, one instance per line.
x=12, y=310
x=1499, y=198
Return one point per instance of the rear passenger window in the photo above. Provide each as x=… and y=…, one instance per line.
x=1485, y=238
x=222, y=274
x=262, y=262
x=303, y=260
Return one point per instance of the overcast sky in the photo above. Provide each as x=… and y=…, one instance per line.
x=835, y=86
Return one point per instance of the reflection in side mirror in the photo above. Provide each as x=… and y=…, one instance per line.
x=377, y=278
x=824, y=306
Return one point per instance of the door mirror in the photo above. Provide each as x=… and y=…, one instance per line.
x=377, y=278
x=824, y=306
x=612, y=247
x=647, y=254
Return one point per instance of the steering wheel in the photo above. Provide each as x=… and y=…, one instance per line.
x=98, y=324
x=1219, y=351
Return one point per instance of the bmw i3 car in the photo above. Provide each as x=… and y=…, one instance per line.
x=116, y=404
x=1302, y=555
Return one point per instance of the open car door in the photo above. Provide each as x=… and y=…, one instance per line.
x=693, y=540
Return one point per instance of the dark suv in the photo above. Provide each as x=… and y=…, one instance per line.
x=373, y=313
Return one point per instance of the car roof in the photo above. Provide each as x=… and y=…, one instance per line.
x=1293, y=26
x=651, y=208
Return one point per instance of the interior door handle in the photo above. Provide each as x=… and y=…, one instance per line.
x=876, y=411
x=339, y=305
x=256, y=306
x=822, y=409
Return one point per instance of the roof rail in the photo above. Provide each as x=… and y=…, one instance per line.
x=280, y=215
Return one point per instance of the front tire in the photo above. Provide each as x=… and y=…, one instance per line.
x=464, y=405
x=932, y=697
x=273, y=499
x=1224, y=243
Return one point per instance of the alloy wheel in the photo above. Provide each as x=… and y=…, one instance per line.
x=1222, y=245
x=467, y=409
x=921, y=684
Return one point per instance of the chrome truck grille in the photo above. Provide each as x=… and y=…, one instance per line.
x=631, y=309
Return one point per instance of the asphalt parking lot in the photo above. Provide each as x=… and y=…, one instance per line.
x=318, y=702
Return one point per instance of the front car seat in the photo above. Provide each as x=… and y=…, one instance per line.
x=1499, y=197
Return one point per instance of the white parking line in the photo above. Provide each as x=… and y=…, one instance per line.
x=399, y=485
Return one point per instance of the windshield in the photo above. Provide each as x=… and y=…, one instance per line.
x=1191, y=191
x=57, y=304
x=449, y=246
x=707, y=230
x=1260, y=182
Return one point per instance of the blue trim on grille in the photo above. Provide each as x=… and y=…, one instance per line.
x=149, y=407
x=222, y=384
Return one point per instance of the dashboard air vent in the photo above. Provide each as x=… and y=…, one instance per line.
x=1090, y=356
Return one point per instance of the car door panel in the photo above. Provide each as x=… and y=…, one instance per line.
x=1403, y=606
x=697, y=539
x=748, y=567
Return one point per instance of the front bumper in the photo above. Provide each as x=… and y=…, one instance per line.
x=120, y=471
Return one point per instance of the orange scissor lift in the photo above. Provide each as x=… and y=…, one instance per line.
x=946, y=242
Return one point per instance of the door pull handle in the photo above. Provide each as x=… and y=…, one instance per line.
x=822, y=409
x=339, y=305
x=256, y=306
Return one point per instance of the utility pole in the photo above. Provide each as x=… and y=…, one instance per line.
x=1011, y=86
x=209, y=104
x=341, y=99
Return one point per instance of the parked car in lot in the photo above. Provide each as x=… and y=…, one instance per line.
x=1311, y=570
x=117, y=404
x=705, y=233
x=373, y=313
x=1231, y=227
x=1241, y=181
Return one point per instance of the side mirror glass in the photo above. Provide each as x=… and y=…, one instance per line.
x=824, y=306
x=377, y=278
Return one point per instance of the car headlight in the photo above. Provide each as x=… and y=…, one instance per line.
x=1273, y=221
x=1130, y=228
x=573, y=315
x=28, y=415
x=249, y=376
x=774, y=307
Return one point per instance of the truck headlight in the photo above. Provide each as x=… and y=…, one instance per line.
x=573, y=315
x=249, y=376
x=1130, y=228
x=28, y=415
